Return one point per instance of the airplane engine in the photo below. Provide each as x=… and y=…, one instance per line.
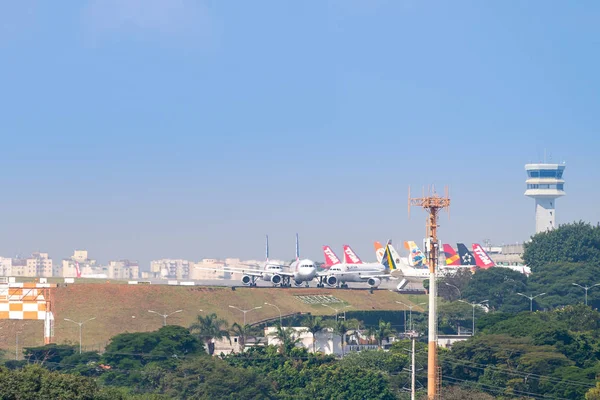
x=246, y=280
x=298, y=284
x=374, y=282
x=332, y=280
x=276, y=279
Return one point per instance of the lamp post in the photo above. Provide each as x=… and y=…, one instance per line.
x=455, y=287
x=245, y=311
x=586, y=288
x=337, y=310
x=531, y=299
x=474, y=305
x=278, y=309
x=409, y=314
x=80, y=328
x=165, y=315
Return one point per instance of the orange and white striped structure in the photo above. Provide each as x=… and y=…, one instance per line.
x=28, y=301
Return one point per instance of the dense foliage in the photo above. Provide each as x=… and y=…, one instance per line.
x=570, y=243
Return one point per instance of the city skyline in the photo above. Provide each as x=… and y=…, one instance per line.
x=192, y=130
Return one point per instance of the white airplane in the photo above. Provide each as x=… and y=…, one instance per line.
x=351, y=270
x=299, y=272
x=403, y=269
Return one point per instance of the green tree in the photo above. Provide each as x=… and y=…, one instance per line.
x=209, y=328
x=556, y=280
x=212, y=378
x=50, y=354
x=383, y=332
x=314, y=325
x=577, y=242
x=341, y=328
x=287, y=339
x=593, y=393
x=500, y=287
x=34, y=382
x=451, y=287
x=243, y=332
x=132, y=352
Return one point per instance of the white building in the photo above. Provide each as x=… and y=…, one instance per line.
x=545, y=185
x=123, y=269
x=170, y=269
x=87, y=267
x=5, y=266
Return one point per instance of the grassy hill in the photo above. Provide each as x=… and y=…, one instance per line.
x=124, y=308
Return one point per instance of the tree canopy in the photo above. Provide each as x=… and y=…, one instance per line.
x=577, y=242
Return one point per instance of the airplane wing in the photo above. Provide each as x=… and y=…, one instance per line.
x=365, y=275
x=251, y=272
x=380, y=276
x=285, y=273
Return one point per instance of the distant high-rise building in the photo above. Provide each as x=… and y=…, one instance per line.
x=545, y=185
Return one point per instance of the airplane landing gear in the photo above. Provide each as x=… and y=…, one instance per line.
x=286, y=282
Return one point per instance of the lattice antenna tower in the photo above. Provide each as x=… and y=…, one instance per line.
x=433, y=204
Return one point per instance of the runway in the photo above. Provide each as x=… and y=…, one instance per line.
x=385, y=285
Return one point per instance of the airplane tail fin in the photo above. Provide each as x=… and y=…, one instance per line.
x=482, y=259
x=330, y=257
x=466, y=258
x=388, y=260
x=267, y=248
x=379, y=251
x=350, y=256
x=77, y=270
x=297, y=248
x=416, y=258
x=451, y=257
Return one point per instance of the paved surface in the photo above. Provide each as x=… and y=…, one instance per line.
x=385, y=285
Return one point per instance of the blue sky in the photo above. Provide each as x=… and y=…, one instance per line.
x=178, y=128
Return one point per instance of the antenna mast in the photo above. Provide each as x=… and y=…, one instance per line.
x=433, y=204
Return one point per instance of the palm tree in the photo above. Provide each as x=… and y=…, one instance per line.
x=383, y=331
x=342, y=327
x=287, y=338
x=371, y=333
x=314, y=325
x=210, y=328
x=242, y=332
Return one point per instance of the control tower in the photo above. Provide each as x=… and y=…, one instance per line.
x=545, y=185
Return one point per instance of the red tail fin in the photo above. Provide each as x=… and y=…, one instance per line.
x=451, y=257
x=330, y=257
x=482, y=259
x=350, y=256
x=77, y=270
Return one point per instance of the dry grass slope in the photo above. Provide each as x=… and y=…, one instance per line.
x=124, y=308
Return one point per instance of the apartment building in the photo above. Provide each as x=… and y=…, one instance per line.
x=123, y=269
x=80, y=265
x=170, y=269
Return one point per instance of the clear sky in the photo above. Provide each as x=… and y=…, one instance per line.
x=145, y=129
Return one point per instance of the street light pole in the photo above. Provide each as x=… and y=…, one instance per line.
x=165, y=315
x=278, y=309
x=586, y=288
x=455, y=287
x=474, y=305
x=409, y=314
x=245, y=311
x=337, y=310
x=80, y=328
x=533, y=297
